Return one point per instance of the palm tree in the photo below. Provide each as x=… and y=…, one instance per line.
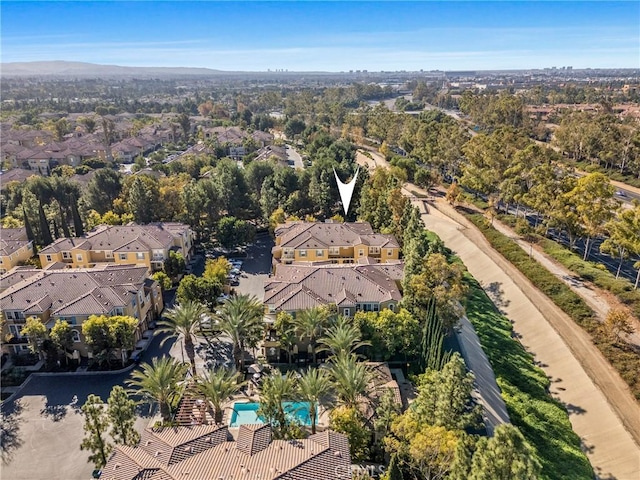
x=343, y=337
x=277, y=389
x=218, y=386
x=160, y=381
x=351, y=379
x=314, y=386
x=310, y=324
x=240, y=318
x=184, y=320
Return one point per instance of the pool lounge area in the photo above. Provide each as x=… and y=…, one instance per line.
x=247, y=413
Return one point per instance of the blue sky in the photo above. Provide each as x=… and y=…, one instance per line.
x=328, y=36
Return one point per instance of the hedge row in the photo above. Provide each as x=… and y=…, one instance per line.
x=622, y=356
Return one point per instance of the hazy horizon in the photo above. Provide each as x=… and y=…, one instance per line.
x=327, y=37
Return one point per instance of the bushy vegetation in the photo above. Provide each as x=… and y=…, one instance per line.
x=542, y=420
x=623, y=358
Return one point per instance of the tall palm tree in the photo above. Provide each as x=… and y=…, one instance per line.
x=240, y=318
x=310, y=325
x=277, y=389
x=314, y=386
x=217, y=386
x=184, y=320
x=160, y=381
x=342, y=337
x=350, y=379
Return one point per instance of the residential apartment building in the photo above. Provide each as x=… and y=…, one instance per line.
x=333, y=243
x=74, y=295
x=147, y=245
x=15, y=247
x=210, y=452
x=350, y=288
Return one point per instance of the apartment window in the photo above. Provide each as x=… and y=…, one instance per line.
x=123, y=256
x=9, y=315
x=392, y=307
x=16, y=330
x=303, y=253
x=78, y=257
x=76, y=336
x=66, y=255
x=347, y=312
x=108, y=254
x=48, y=257
x=389, y=252
x=319, y=253
x=118, y=311
x=361, y=252
x=140, y=255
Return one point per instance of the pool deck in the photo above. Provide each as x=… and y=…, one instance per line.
x=323, y=417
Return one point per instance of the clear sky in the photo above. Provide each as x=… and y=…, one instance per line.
x=328, y=36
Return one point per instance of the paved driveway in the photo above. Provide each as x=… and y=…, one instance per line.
x=256, y=267
x=42, y=429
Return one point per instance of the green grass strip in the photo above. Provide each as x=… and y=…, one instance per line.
x=621, y=356
x=543, y=421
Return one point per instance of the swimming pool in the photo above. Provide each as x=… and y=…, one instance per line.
x=244, y=413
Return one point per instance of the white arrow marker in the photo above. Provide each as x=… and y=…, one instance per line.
x=346, y=189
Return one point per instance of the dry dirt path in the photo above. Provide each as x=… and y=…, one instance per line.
x=609, y=426
x=561, y=348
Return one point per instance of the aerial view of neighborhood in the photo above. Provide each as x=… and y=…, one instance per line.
x=290, y=240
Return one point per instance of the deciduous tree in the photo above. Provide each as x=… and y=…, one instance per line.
x=122, y=416
x=96, y=424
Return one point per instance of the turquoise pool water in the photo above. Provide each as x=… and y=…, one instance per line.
x=244, y=413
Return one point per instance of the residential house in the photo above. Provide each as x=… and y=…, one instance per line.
x=74, y=295
x=132, y=244
x=234, y=139
x=210, y=452
x=15, y=247
x=333, y=242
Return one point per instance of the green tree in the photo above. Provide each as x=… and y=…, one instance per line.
x=350, y=380
x=36, y=333
x=232, y=232
x=349, y=421
x=198, y=289
x=163, y=280
x=96, y=424
x=240, y=319
x=310, y=325
x=617, y=324
x=174, y=265
x=122, y=330
x=504, y=456
x=183, y=321
x=62, y=337
x=394, y=472
x=185, y=124
x=623, y=235
x=342, y=338
x=159, y=382
x=217, y=386
x=389, y=333
x=142, y=199
x=217, y=269
x=105, y=334
x=444, y=397
x=277, y=389
x=286, y=332
x=314, y=387
x=444, y=283
x=103, y=188
x=122, y=416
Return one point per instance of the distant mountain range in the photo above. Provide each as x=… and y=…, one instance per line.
x=81, y=69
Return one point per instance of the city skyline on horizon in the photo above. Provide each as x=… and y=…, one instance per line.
x=325, y=36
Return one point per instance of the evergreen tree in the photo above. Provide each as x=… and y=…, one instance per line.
x=96, y=424
x=394, y=472
x=63, y=221
x=56, y=232
x=77, y=221
x=505, y=456
x=27, y=225
x=122, y=415
x=45, y=232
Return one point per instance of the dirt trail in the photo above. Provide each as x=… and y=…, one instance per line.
x=602, y=410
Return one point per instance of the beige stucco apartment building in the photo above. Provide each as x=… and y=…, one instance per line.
x=73, y=295
x=15, y=248
x=144, y=245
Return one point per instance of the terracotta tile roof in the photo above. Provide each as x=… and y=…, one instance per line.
x=317, y=457
x=72, y=291
x=12, y=240
x=295, y=287
x=66, y=245
x=322, y=235
x=15, y=175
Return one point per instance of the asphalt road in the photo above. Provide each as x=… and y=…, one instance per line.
x=295, y=157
